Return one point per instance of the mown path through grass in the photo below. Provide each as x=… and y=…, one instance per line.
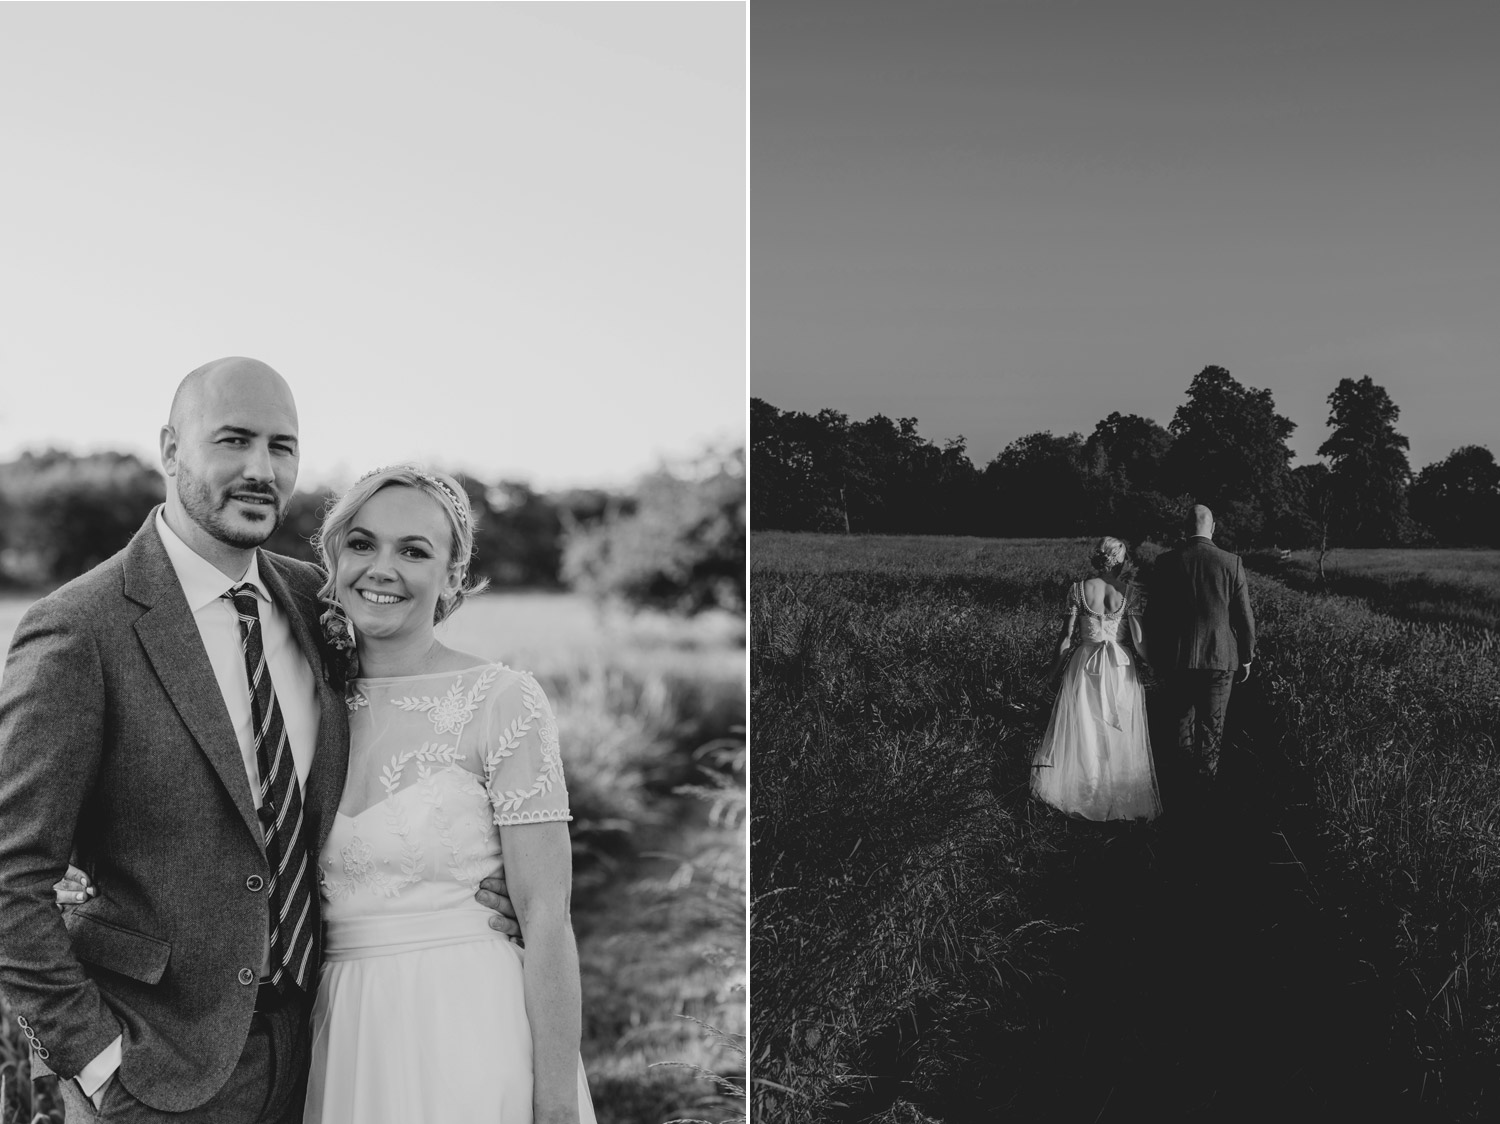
x=1203, y=984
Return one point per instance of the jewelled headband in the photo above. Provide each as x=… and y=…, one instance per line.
x=460, y=505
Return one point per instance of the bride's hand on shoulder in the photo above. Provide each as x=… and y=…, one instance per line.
x=73, y=887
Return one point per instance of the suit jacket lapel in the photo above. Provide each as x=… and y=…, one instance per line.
x=330, y=763
x=170, y=637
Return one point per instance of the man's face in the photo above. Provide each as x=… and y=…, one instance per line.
x=234, y=460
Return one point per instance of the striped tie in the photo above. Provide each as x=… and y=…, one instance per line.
x=294, y=916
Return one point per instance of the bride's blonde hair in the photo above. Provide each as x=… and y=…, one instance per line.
x=1109, y=555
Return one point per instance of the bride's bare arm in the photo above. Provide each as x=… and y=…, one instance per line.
x=539, y=870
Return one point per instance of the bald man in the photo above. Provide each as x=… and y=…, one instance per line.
x=1201, y=632
x=178, y=992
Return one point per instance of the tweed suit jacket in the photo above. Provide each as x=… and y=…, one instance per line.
x=1199, y=615
x=116, y=748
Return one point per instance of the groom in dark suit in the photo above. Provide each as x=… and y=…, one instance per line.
x=1202, y=631
x=167, y=719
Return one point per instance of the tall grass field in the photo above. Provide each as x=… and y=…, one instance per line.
x=651, y=714
x=930, y=943
x=1456, y=587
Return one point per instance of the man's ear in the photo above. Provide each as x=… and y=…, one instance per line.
x=169, y=450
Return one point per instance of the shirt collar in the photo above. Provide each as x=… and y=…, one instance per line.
x=202, y=582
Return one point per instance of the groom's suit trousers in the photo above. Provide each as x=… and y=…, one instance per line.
x=1201, y=700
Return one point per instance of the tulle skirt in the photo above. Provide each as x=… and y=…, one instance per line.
x=1095, y=758
x=422, y=1018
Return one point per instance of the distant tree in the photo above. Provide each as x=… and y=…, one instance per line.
x=1368, y=461
x=901, y=483
x=824, y=472
x=1132, y=448
x=1124, y=458
x=804, y=469
x=681, y=549
x=773, y=468
x=1229, y=451
x=1036, y=487
x=1457, y=499
x=519, y=542
x=64, y=513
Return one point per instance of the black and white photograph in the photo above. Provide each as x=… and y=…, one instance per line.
x=1125, y=562
x=373, y=387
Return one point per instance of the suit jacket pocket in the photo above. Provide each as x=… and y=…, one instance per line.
x=116, y=948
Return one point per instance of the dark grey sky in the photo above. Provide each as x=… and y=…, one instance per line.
x=1007, y=217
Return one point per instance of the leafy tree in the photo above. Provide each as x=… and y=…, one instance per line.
x=1131, y=449
x=803, y=469
x=1124, y=457
x=66, y=513
x=1457, y=499
x=1229, y=450
x=681, y=549
x=519, y=540
x=1036, y=486
x=1370, y=470
x=825, y=473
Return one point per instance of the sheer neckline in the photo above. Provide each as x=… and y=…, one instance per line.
x=430, y=674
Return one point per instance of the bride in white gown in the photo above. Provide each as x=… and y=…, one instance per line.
x=1095, y=758
x=424, y=1013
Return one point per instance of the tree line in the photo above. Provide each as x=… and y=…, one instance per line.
x=676, y=541
x=1225, y=446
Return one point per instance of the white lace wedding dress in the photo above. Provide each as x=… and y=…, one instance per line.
x=1095, y=758
x=421, y=1013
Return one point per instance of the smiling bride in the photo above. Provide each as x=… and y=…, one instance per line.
x=424, y=1012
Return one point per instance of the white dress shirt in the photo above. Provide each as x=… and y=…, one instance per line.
x=204, y=585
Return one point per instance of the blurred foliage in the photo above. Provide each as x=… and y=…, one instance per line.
x=681, y=548
x=61, y=514
x=678, y=543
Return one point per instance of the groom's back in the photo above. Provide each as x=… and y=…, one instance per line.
x=1199, y=608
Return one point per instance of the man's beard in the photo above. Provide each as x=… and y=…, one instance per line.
x=207, y=510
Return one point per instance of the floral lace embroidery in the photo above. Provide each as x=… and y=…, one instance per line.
x=450, y=713
x=355, y=700
x=507, y=803
x=360, y=869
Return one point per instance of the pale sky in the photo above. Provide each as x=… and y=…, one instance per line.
x=1015, y=216
x=503, y=238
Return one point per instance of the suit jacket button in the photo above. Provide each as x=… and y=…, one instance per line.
x=247, y=977
x=255, y=883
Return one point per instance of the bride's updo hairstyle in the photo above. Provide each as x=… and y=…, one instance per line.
x=329, y=538
x=1109, y=555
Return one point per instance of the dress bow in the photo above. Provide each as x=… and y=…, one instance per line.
x=1107, y=653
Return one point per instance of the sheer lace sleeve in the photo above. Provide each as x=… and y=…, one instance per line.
x=523, y=770
x=1074, y=600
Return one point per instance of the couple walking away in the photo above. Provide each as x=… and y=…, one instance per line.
x=1195, y=628
x=298, y=813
